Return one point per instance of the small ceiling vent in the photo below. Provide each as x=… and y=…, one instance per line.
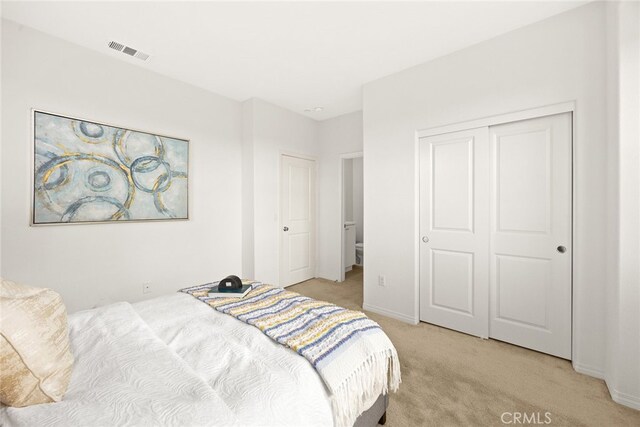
x=128, y=50
x=116, y=46
x=141, y=55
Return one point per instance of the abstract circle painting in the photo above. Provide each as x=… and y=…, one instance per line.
x=87, y=172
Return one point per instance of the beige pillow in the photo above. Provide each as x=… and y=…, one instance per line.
x=35, y=359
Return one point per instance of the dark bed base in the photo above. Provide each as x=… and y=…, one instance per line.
x=375, y=415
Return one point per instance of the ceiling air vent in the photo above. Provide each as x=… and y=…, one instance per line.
x=116, y=46
x=141, y=55
x=128, y=50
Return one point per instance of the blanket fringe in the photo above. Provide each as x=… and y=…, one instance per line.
x=378, y=374
x=356, y=369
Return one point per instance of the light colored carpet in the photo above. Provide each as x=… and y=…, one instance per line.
x=453, y=379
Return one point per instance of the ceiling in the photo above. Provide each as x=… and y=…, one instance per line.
x=298, y=55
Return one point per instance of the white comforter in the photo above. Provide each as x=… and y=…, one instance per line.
x=175, y=361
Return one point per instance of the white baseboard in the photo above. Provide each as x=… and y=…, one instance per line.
x=588, y=370
x=390, y=313
x=625, y=399
x=617, y=396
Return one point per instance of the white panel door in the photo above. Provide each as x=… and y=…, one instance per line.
x=297, y=220
x=454, y=228
x=531, y=234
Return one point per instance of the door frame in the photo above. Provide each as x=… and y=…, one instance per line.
x=343, y=157
x=282, y=153
x=549, y=110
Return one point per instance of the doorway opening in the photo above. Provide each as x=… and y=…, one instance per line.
x=352, y=215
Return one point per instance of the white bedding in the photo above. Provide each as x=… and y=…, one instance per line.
x=264, y=383
x=175, y=361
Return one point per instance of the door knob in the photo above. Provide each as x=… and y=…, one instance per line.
x=285, y=228
x=561, y=249
x=425, y=239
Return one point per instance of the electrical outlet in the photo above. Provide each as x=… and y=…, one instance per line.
x=146, y=288
x=381, y=281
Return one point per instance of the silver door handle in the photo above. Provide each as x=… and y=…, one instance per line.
x=561, y=249
x=285, y=228
x=425, y=239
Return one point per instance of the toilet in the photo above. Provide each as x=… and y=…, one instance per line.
x=360, y=253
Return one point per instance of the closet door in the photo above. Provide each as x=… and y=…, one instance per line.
x=454, y=225
x=531, y=234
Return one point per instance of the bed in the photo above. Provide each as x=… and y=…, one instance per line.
x=173, y=360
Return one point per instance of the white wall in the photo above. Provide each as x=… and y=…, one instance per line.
x=248, y=230
x=613, y=197
x=97, y=264
x=347, y=189
x=269, y=131
x=245, y=140
x=1, y=33
x=357, y=182
x=275, y=130
x=623, y=290
x=337, y=136
x=553, y=61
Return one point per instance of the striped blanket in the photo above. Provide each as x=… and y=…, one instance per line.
x=353, y=356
